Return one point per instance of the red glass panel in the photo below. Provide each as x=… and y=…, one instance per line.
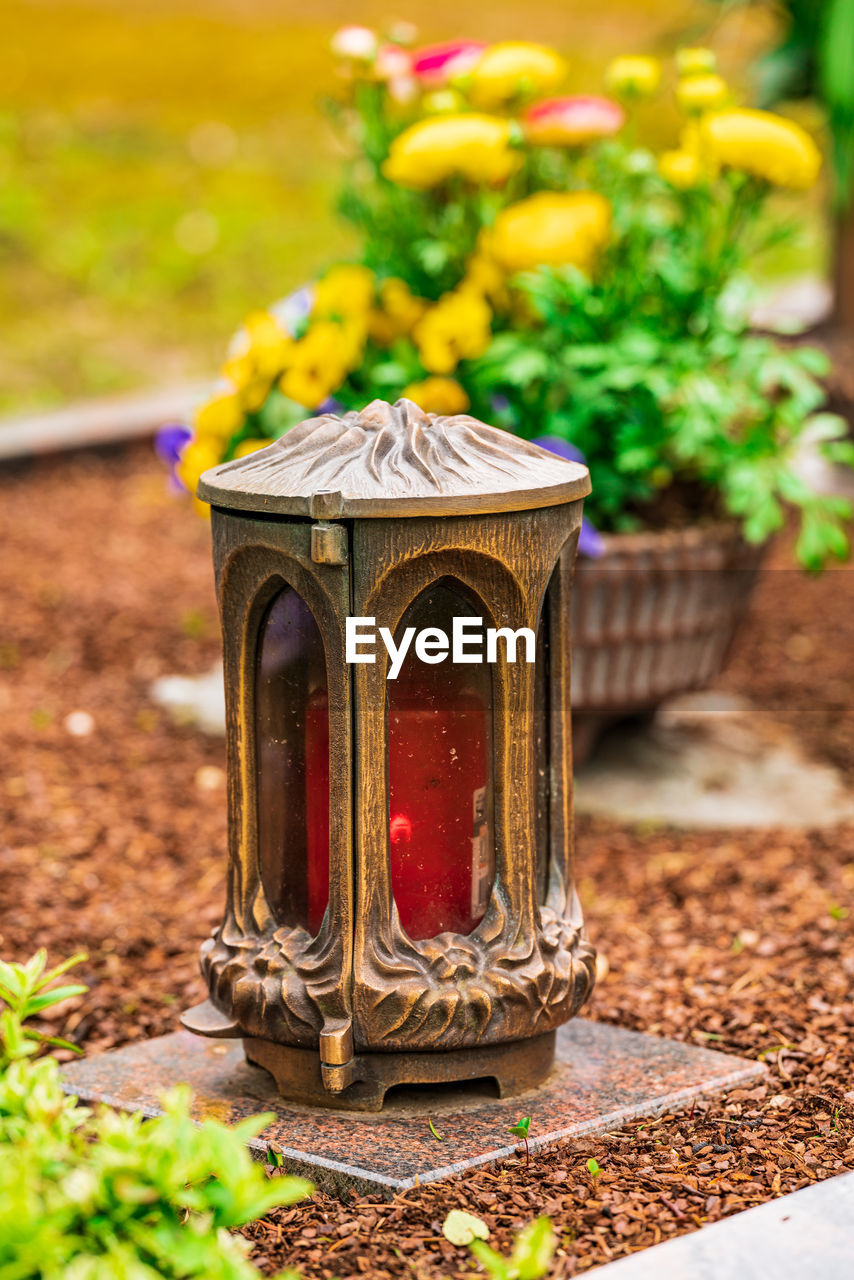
x=292, y=752
x=440, y=779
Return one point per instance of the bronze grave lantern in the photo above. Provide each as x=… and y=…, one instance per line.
x=401, y=905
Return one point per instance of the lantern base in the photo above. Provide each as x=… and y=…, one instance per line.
x=515, y=1066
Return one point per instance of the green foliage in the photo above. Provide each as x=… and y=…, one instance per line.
x=23, y=989
x=109, y=1196
x=530, y=1258
x=593, y=1167
x=815, y=58
x=651, y=372
x=646, y=365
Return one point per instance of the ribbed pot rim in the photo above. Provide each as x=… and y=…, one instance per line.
x=644, y=540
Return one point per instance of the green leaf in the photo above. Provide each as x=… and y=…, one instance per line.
x=491, y=1261
x=593, y=1167
x=839, y=452
x=433, y=255
x=57, y=1042
x=63, y=967
x=525, y=367
x=12, y=1037
x=521, y=1127
x=389, y=374
x=436, y=1135
x=12, y=979
x=765, y=519
x=34, y=968
x=56, y=995
x=461, y=1228
x=821, y=538
x=534, y=1250
x=826, y=426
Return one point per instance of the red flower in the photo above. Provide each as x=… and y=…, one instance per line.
x=439, y=63
x=571, y=122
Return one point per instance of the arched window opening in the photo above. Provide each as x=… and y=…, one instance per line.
x=292, y=762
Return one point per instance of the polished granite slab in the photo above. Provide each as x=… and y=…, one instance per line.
x=603, y=1077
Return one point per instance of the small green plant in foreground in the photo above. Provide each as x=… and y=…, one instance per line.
x=99, y=1195
x=23, y=989
x=521, y=1129
x=530, y=1258
x=593, y=1167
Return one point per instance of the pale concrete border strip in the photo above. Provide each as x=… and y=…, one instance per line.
x=98, y=422
x=807, y=1233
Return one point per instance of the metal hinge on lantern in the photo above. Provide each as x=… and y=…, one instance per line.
x=329, y=543
x=338, y=1065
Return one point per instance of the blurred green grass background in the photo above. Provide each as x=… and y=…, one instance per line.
x=165, y=164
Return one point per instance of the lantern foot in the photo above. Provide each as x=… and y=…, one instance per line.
x=301, y=1077
x=206, y=1019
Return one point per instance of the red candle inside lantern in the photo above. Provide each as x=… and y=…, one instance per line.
x=441, y=868
x=439, y=773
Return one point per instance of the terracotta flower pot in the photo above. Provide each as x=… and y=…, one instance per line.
x=654, y=615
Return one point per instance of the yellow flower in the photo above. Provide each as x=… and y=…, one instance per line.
x=633, y=77
x=476, y=147
x=702, y=93
x=458, y=327
x=514, y=69
x=437, y=395
x=268, y=342
x=353, y=336
x=399, y=313
x=551, y=229
x=321, y=361
x=401, y=304
x=220, y=417
x=762, y=144
x=695, y=62
x=681, y=168
x=381, y=328
x=242, y=373
x=200, y=455
x=307, y=386
x=259, y=353
x=249, y=446
x=344, y=291
x=484, y=276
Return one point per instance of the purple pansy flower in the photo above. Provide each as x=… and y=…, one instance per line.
x=589, y=540
x=169, y=443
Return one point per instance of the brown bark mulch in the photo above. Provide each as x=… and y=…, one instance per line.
x=114, y=842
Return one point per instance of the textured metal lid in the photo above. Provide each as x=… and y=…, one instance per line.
x=394, y=460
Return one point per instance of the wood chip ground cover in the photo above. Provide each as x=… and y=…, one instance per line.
x=114, y=841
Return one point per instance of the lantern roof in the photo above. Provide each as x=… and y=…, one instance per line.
x=394, y=460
